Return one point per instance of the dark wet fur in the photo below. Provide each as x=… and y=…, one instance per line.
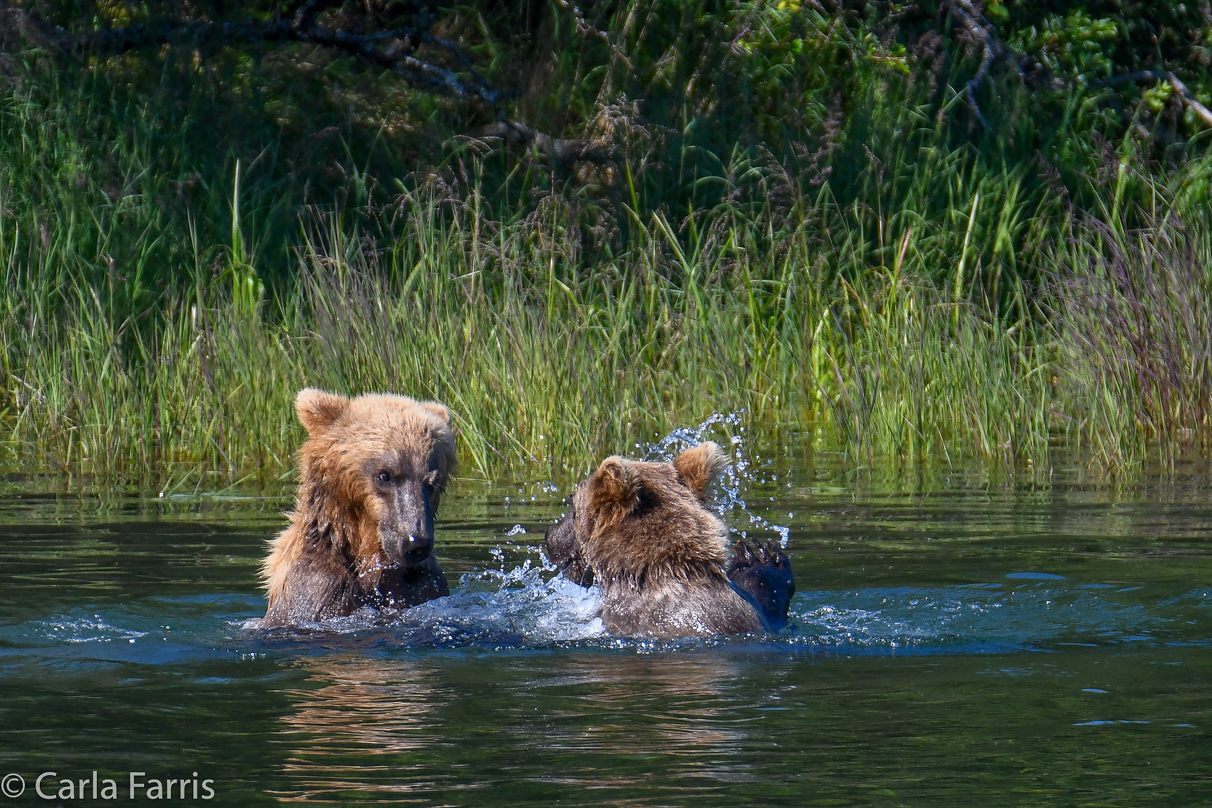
x=321, y=586
x=762, y=572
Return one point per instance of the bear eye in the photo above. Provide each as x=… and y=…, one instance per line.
x=384, y=476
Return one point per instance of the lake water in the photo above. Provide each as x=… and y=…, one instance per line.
x=977, y=644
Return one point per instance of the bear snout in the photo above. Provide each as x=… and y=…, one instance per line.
x=405, y=549
x=418, y=550
x=406, y=531
x=560, y=540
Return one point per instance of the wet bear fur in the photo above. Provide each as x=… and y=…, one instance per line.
x=641, y=531
x=371, y=476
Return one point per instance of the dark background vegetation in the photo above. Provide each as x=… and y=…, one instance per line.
x=669, y=91
x=154, y=154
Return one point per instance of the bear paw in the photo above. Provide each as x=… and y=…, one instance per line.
x=763, y=571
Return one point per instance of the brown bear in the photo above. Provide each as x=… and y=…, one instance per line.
x=371, y=475
x=643, y=533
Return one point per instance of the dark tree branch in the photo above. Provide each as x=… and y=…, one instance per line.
x=394, y=50
x=1176, y=84
x=558, y=150
x=992, y=50
x=307, y=11
x=1202, y=112
x=1140, y=76
x=585, y=29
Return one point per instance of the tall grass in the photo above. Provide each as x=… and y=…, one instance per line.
x=929, y=305
x=551, y=360
x=1133, y=322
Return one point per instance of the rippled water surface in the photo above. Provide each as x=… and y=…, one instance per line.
x=976, y=644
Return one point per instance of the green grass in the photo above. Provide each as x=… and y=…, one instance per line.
x=934, y=304
x=551, y=359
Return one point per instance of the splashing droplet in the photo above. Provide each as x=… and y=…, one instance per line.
x=734, y=477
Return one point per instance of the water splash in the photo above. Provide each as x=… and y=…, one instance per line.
x=526, y=605
x=523, y=607
x=736, y=477
x=83, y=629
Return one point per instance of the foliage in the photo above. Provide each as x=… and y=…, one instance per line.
x=874, y=228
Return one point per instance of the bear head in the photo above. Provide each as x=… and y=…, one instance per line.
x=372, y=473
x=636, y=522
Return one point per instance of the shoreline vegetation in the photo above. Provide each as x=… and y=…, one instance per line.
x=934, y=299
x=551, y=363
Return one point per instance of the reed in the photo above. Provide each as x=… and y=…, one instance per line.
x=933, y=303
x=550, y=361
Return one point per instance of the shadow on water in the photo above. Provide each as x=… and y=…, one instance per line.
x=998, y=644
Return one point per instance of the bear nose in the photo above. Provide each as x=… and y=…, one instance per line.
x=417, y=549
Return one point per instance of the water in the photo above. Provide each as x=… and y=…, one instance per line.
x=973, y=645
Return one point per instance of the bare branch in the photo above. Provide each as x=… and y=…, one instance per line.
x=394, y=50
x=557, y=150
x=1156, y=76
x=992, y=49
x=1199, y=109
x=584, y=28
x=1140, y=76
x=308, y=10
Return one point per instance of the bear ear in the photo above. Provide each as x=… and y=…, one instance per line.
x=614, y=489
x=437, y=409
x=699, y=466
x=318, y=410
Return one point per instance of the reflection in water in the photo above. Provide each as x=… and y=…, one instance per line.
x=356, y=729
x=375, y=727
x=683, y=700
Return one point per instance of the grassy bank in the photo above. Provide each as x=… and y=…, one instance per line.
x=827, y=335
x=806, y=217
